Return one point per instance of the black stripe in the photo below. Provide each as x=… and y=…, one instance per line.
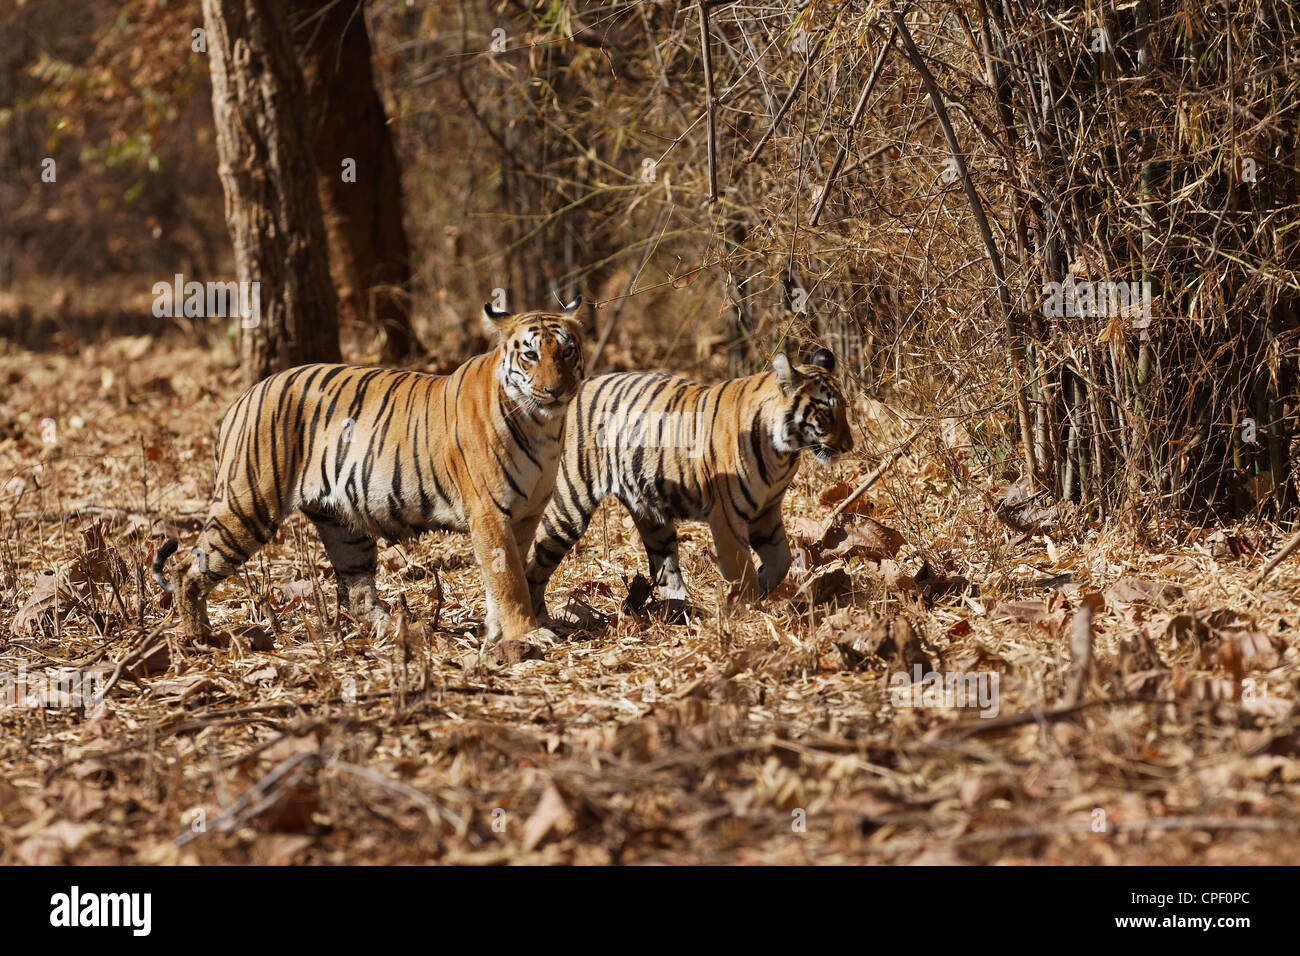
x=756, y=445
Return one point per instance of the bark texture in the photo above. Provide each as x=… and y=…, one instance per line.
x=267, y=173
x=369, y=254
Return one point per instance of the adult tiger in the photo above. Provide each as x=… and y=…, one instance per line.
x=669, y=448
x=370, y=452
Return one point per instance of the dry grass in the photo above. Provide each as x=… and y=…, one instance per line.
x=643, y=742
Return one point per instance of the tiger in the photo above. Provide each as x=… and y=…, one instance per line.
x=669, y=448
x=368, y=453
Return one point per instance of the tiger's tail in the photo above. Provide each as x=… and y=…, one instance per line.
x=160, y=560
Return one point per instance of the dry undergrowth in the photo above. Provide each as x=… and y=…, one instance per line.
x=754, y=734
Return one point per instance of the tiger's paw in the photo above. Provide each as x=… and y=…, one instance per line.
x=541, y=635
x=377, y=619
x=366, y=608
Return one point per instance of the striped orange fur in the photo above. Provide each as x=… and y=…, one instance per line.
x=369, y=453
x=670, y=449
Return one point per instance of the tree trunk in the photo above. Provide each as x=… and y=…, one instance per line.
x=272, y=211
x=348, y=132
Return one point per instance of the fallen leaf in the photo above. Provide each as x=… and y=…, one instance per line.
x=639, y=590
x=1242, y=651
x=45, y=594
x=578, y=615
x=933, y=584
x=1018, y=507
x=1128, y=590
x=1186, y=633
x=1267, y=706
x=1050, y=611
x=551, y=813
x=281, y=849
x=258, y=639
x=834, y=494
x=859, y=536
x=891, y=642
x=104, y=724
x=284, y=594
x=264, y=673
x=827, y=586
x=512, y=652
x=1233, y=547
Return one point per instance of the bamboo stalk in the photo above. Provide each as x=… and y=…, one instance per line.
x=709, y=104
x=1281, y=555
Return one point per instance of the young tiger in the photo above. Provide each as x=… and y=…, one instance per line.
x=669, y=448
x=370, y=452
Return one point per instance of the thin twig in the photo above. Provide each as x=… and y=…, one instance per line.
x=596, y=353
x=853, y=125
x=959, y=160
x=435, y=811
x=1281, y=555
x=269, y=789
x=138, y=654
x=798, y=85
x=1038, y=715
x=875, y=476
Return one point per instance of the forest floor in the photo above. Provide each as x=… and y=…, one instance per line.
x=766, y=733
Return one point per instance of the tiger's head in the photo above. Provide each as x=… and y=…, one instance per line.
x=541, y=363
x=815, y=414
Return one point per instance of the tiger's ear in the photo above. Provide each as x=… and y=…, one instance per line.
x=569, y=316
x=496, y=320
x=787, y=376
x=823, y=358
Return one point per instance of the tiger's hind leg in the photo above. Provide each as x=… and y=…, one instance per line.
x=660, y=540
x=225, y=544
x=192, y=597
x=561, y=527
x=353, y=556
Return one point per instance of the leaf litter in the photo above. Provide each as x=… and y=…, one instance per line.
x=717, y=731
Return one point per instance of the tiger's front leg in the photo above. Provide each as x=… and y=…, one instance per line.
x=509, y=610
x=353, y=556
x=731, y=539
x=767, y=536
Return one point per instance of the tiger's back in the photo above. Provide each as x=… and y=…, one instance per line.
x=661, y=444
x=671, y=449
x=377, y=449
